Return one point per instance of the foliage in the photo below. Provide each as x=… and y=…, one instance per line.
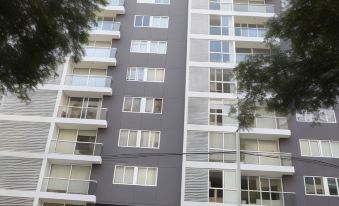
x=36, y=36
x=302, y=77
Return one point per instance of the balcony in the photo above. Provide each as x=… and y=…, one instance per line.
x=270, y=162
x=105, y=31
x=81, y=117
x=250, y=32
x=96, y=57
x=75, y=152
x=255, y=8
x=69, y=186
x=267, y=198
x=113, y=7
x=75, y=147
x=87, y=85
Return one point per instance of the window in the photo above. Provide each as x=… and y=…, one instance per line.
x=153, y=47
x=222, y=186
x=131, y=175
x=332, y=186
x=154, y=1
x=83, y=108
x=224, y=5
x=314, y=185
x=219, y=25
x=220, y=112
x=250, y=30
x=262, y=152
x=67, y=179
x=319, y=148
x=146, y=74
x=323, y=116
x=143, y=105
x=222, y=147
x=88, y=77
x=261, y=190
x=219, y=51
x=78, y=142
x=222, y=81
x=151, y=21
x=139, y=138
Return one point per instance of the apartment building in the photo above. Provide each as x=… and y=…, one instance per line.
x=144, y=119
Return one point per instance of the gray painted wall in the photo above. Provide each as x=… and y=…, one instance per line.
x=295, y=183
x=170, y=123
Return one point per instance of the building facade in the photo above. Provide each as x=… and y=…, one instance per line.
x=143, y=119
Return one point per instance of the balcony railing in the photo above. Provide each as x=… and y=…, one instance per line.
x=100, y=52
x=106, y=26
x=75, y=147
x=115, y=2
x=261, y=8
x=271, y=122
x=243, y=56
x=250, y=32
x=88, y=80
x=266, y=158
x=69, y=186
x=267, y=198
x=82, y=112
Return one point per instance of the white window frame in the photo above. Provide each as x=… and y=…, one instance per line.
x=164, y=2
x=144, y=74
x=152, y=21
x=319, y=143
x=310, y=117
x=139, y=138
x=222, y=82
x=223, y=103
x=135, y=175
x=324, y=181
x=143, y=104
x=222, y=52
x=223, y=149
x=224, y=188
x=149, y=49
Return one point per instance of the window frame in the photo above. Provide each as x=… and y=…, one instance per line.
x=135, y=175
x=139, y=139
x=152, y=20
x=222, y=82
x=310, y=117
x=314, y=185
x=144, y=74
x=320, y=147
x=149, y=49
x=161, y=2
x=143, y=105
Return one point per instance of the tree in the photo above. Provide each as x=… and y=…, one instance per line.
x=303, y=76
x=36, y=36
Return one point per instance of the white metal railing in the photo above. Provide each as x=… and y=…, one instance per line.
x=75, y=147
x=100, y=52
x=266, y=158
x=106, y=26
x=82, y=112
x=88, y=80
x=267, y=198
x=242, y=7
x=270, y=122
x=250, y=32
x=261, y=8
x=69, y=186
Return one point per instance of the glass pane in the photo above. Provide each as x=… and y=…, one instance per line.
x=151, y=176
x=215, y=46
x=136, y=105
x=123, y=138
x=268, y=146
x=216, y=140
x=149, y=105
x=335, y=149
x=80, y=172
x=253, y=183
x=215, y=179
x=244, y=183
x=132, y=140
x=119, y=175
x=129, y=172
x=326, y=148
x=315, y=151
x=128, y=104
x=144, y=139
x=60, y=171
x=319, y=185
x=151, y=75
x=332, y=186
x=309, y=184
x=157, y=105
x=141, y=176
x=265, y=184
x=305, y=149
x=230, y=180
x=255, y=198
x=276, y=185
